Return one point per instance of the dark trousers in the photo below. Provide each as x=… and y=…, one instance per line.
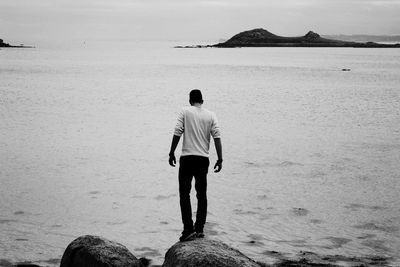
x=197, y=167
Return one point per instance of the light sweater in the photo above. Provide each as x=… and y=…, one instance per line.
x=197, y=125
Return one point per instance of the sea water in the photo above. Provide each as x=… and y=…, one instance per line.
x=311, y=152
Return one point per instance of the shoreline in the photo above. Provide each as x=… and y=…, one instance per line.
x=273, y=259
x=292, y=45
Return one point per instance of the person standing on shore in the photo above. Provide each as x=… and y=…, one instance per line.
x=197, y=125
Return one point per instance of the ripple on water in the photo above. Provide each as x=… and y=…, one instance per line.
x=377, y=227
x=262, y=197
x=337, y=242
x=300, y=211
x=356, y=207
x=294, y=243
x=161, y=197
x=211, y=228
x=53, y=261
x=19, y=212
x=366, y=236
x=21, y=239
x=377, y=245
x=148, y=252
x=4, y=221
x=316, y=221
x=116, y=223
x=282, y=164
x=245, y=212
x=289, y=163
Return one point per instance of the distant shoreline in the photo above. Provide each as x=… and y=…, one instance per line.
x=382, y=39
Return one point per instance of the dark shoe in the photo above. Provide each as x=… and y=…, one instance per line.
x=199, y=235
x=187, y=236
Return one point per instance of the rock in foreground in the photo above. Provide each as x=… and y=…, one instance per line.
x=94, y=251
x=205, y=253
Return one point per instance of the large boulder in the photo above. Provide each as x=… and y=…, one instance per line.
x=205, y=253
x=94, y=251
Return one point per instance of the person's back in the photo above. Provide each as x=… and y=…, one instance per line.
x=197, y=125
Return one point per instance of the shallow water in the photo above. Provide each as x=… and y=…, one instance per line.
x=310, y=152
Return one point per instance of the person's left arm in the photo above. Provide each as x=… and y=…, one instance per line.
x=216, y=134
x=218, y=148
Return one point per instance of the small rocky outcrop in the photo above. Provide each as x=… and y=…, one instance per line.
x=3, y=44
x=312, y=35
x=206, y=253
x=94, y=251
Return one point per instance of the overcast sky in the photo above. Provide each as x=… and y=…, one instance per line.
x=41, y=21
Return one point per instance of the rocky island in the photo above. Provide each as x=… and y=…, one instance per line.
x=263, y=38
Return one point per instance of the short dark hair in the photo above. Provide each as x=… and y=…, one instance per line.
x=195, y=96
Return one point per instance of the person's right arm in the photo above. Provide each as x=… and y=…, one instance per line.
x=178, y=131
x=174, y=143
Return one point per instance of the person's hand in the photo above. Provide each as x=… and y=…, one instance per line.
x=172, y=160
x=218, y=166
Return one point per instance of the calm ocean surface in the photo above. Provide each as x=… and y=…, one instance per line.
x=311, y=153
